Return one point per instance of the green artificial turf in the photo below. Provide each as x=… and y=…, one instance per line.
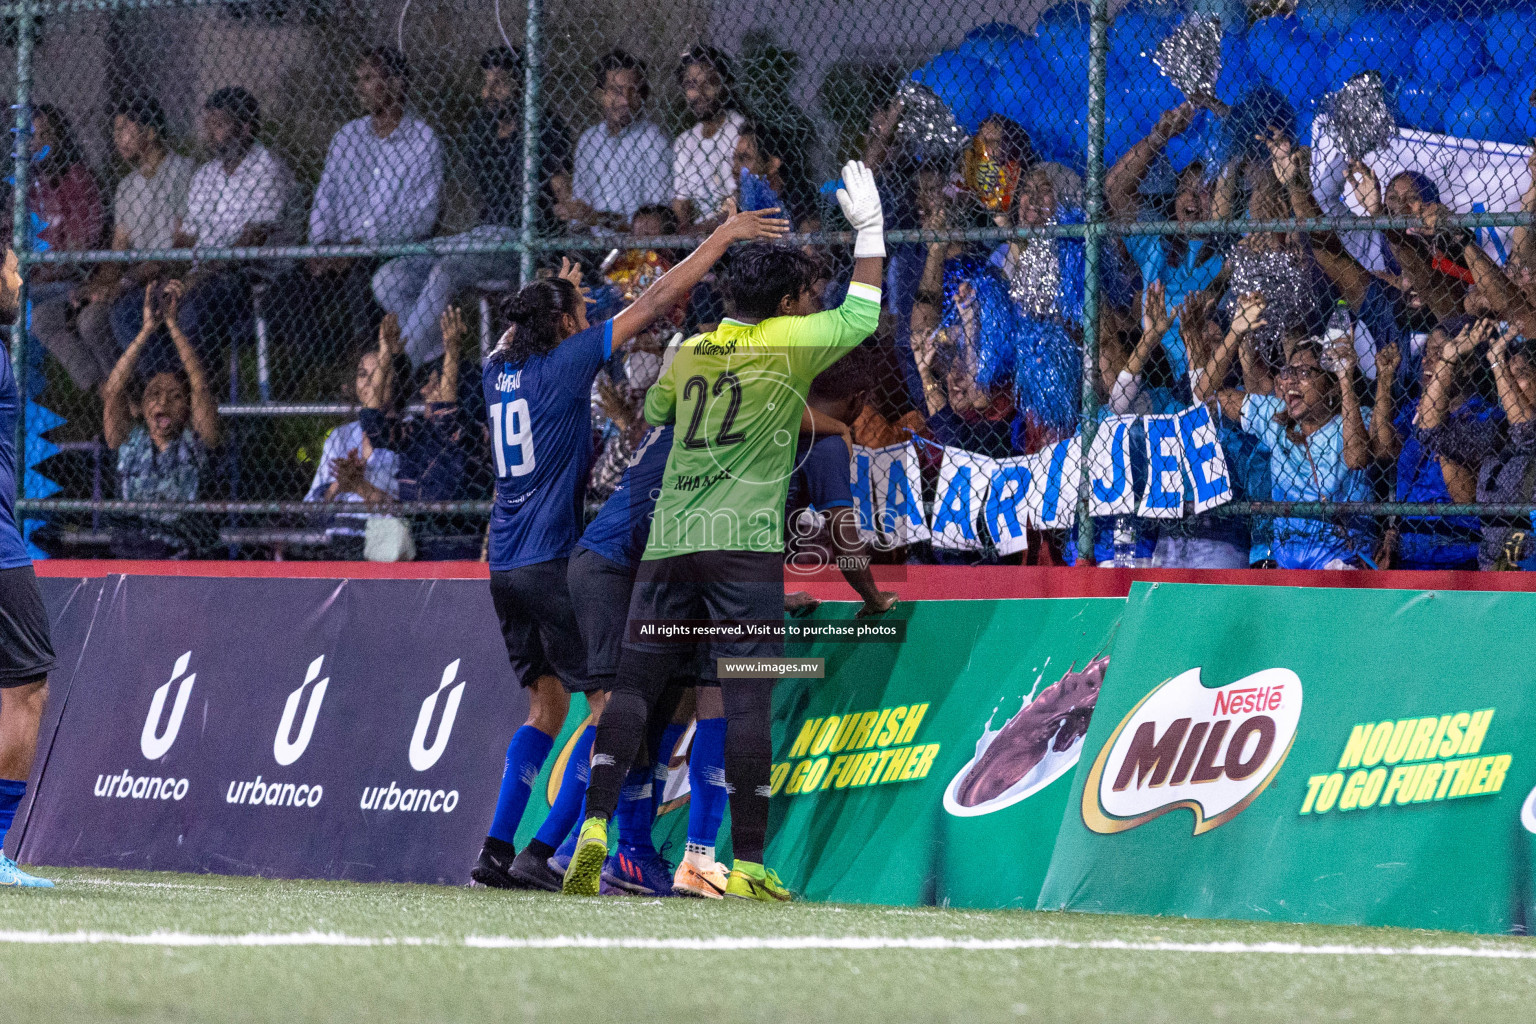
x=419, y=966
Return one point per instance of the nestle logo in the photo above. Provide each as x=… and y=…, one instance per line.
x=1248, y=700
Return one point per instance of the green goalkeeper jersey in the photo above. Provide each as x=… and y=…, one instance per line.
x=736, y=395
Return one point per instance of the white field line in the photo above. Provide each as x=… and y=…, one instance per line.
x=118, y=883
x=726, y=943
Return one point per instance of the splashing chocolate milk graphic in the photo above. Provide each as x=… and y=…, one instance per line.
x=1054, y=720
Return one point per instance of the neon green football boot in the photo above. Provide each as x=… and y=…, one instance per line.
x=751, y=881
x=585, y=871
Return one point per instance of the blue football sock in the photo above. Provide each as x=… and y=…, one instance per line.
x=567, y=849
x=567, y=809
x=662, y=769
x=635, y=814
x=11, y=793
x=525, y=758
x=706, y=782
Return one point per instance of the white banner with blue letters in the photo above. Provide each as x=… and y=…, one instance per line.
x=978, y=498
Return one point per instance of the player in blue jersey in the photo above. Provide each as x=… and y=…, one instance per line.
x=537, y=385
x=26, y=649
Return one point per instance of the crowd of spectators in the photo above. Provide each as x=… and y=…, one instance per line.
x=1424, y=392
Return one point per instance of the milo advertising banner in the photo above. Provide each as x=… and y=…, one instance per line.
x=936, y=770
x=1332, y=756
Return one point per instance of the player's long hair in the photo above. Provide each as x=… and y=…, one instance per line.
x=537, y=314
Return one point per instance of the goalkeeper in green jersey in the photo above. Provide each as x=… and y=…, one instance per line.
x=716, y=548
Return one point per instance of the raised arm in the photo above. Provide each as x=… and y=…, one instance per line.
x=452, y=324
x=1385, y=444
x=1517, y=408
x=1357, y=442
x=1502, y=294
x=860, y=203
x=116, y=417
x=1208, y=383
x=1155, y=322
x=1293, y=167
x=1124, y=179
x=205, y=410
x=673, y=286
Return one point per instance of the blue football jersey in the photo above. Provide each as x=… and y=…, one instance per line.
x=541, y=439
x=624, y=522
x=13, y=550
x=822, y=477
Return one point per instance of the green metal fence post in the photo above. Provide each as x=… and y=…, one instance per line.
x=1093, y=243
x=21, y=159
x=532, y=71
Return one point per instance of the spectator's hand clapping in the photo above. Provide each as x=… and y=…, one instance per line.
x=1467, y=340
x=351, y=473
x=1498, y=347
x=1155, y=316
x=1290, y=163
x=452, y=324
x=1388, y=359
x=1250, y=314
x=1364, y=187
x=172, y=293
x=151, y=309
x=753, y=224
x=389, y=337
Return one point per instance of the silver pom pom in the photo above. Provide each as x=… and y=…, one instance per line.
x=1359, y=115
x=1287, y=291
x=1033, y=270
x=1190, y=57
x=927, y=126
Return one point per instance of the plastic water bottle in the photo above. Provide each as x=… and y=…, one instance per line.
x=1125, y=543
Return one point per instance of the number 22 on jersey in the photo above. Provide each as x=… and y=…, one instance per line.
x=512, y=438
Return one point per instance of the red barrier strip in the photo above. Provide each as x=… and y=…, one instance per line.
x=911, y=582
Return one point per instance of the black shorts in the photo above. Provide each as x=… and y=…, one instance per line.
x=26, y=647
x=721, y=586
x=599, y=590
x=538, y=626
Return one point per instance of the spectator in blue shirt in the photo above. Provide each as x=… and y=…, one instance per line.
x=1182, y=263
x=1449, y=417
x=1320, y=442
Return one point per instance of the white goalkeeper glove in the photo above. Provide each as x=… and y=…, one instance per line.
x=860, y=201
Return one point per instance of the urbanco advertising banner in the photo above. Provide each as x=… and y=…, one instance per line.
x=293, y=727
x=936, y=770
x=1299, y=754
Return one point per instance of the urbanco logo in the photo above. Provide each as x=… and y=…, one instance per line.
x=423, y=756
x=285, y=749
x=1211, y=750
x=152, y=742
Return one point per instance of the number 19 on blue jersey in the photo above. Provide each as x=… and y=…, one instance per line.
x=512, y=437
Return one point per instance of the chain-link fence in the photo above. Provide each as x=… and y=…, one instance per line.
x=1245, y=284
